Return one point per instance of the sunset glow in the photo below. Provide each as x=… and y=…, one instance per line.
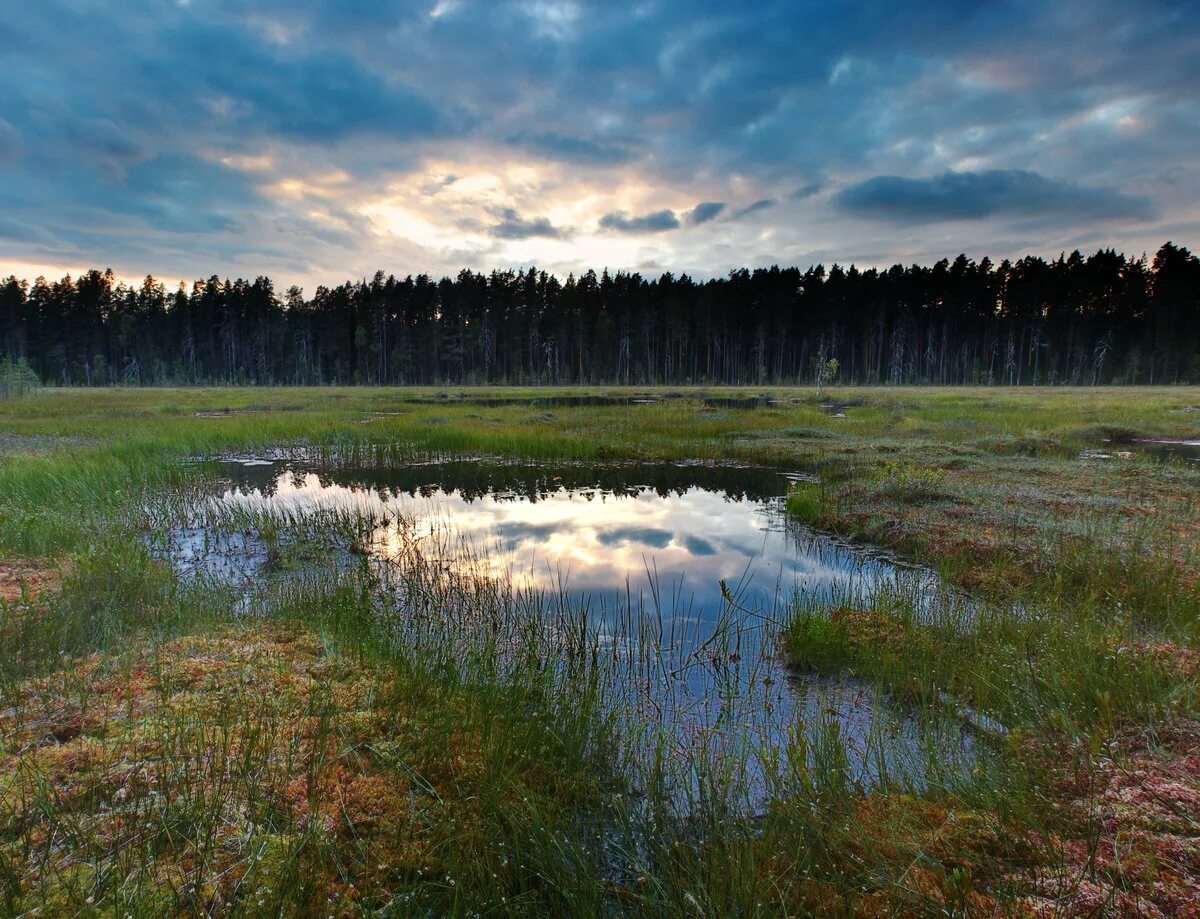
x=319, y=141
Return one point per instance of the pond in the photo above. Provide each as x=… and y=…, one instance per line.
x=761, y=400
x=1163, y=450
x=583, y=401
x=1188, y=450
x=698, y=562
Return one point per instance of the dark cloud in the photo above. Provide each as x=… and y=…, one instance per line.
x=704, y=212
x=649, y=536
x=178, y=194
x=698, y=546
x=513, y=226
x=575, y=149
x=234, y=78
x=114, y=115
x=533, y=532
x=976, y=195
x=763, y=204
x=656, y=222
x=20, y=231
x=103, y=139
x=10, y=141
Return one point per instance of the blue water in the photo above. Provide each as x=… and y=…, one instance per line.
x=698, y=561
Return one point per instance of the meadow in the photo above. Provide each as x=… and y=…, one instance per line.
x=424, y=739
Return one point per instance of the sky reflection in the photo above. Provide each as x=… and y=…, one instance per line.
x=644, y=549
x=597, y=541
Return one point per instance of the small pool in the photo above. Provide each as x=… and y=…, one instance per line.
x=698, y=562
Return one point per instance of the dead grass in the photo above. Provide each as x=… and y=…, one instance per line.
x=248, y=772
x=27, y=578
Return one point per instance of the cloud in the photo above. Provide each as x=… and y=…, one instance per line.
x=10, y=141
x=517, y=531
x=234, y=77
x=103, y=138
x=117, y=115
x=698, y=546
x=574, y=149
x=513, y=226
x=977, y=195
x=648, y=536
x=760, y=205
x=21, y=231
x=178, y=194
x=656, y=222
x=704, y=212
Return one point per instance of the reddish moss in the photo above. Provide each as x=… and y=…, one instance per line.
x=20, y=578
x=207, y=754
x=1131, y=839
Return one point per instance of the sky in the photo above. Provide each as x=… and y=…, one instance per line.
x=317, y=141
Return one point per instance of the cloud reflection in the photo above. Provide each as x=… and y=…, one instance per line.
x=601, y=544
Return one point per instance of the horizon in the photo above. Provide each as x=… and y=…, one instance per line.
x=313, y=142
x=1144, y=258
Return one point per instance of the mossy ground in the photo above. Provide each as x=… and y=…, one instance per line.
x=161, y=756
x=255, y=771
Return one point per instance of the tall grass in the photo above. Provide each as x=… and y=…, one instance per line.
x=579, y=789
x=358, y=736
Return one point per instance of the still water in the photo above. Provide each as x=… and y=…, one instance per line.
x=599, y=532
x=761, y=400
x=703, y=557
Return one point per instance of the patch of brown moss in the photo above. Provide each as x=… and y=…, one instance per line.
x=1131, y=839
x=1175, y=659
x=242, y=773
x=999, y=525
x=22, y=579
x=916, y=856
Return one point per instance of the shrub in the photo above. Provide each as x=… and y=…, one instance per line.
x=17, y=378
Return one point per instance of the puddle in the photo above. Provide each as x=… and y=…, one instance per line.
x=1164, y=449
x=1171, y=449
x=230, y=412
x=838, y=409
x=762, y=400
x=537, y=401
x=697, y=562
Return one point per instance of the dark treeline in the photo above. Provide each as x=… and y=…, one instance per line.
x=1075, y=320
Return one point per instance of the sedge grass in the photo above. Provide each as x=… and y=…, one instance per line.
x=1082, y=591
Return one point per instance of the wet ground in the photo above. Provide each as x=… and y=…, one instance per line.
x=761, y=400
x=1174, y=450
x=698, y=563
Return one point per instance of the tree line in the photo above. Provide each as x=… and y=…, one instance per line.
x=1075, y=320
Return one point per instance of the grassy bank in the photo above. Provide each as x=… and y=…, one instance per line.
x=164, y=755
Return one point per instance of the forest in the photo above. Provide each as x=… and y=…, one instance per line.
x=1076, y=320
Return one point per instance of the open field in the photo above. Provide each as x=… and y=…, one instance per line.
x=171, y=749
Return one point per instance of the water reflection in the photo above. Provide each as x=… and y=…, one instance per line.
x=1187, y=451
x=761, y=400
x=602, y=532
x=697, y=563
x=475, y=478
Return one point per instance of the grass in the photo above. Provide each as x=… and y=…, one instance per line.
x=184, y=762
x=464, y=753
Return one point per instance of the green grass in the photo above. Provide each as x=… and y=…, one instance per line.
x=474, y=765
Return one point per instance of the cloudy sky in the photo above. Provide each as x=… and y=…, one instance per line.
x=319, y=140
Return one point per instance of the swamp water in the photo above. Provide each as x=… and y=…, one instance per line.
x=684, y=572
x=1185, y=450
x=762, y=400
